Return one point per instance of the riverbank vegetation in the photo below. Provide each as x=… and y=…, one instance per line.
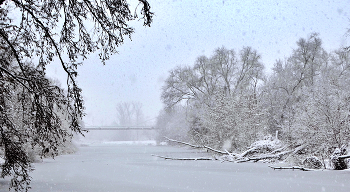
x=228, y=103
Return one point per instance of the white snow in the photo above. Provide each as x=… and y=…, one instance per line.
x=115, y=167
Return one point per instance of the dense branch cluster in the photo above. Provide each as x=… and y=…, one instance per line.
x=221, y=94
x=32, y=34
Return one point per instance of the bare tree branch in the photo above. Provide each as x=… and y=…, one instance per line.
x=199, y=146
x=293, y=168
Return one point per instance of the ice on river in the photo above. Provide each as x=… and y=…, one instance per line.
x=131, y=168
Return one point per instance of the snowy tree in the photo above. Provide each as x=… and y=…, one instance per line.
x=32, y=34
x=223, y=73
x=326, y=115
x=30, y=119
x=221, y=123
x=130, y=114
x=216, y=89
x=231, y=123
x=208, y=77
x=291, y=82
x=307, y=98
x=124, y=114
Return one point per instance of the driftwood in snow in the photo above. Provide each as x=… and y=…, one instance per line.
x=293, y=168
x=264, y=157
x=184, y=143
x=253, y=150
x=244, y=156
x=278, y=150
x=344, y=157
x=289, y=153
x=298, y=149
x=268, y=147
x=260, y=150
x=217, y=151
x=249, y=151
x=268, y=150
x=200, y=146
x=186, y=159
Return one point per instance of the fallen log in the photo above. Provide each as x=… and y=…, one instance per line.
x=297, y=149
x=278, y=150
x=217, y=151
x=184, y=143
x=199, y=146
x=293, y=167
x=245, y=156
x=245, y=153
x=230, y=158
x=256, y=159
x=344, y=156
x=263, y=157
x=185, y=159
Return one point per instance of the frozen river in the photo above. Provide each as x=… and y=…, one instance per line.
x=111, y=167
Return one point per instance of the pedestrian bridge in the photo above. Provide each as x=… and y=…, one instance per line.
x=118, y=128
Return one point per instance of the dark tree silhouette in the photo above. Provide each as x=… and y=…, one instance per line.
x=32, y=34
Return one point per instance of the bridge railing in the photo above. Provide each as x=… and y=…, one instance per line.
x=117, y=128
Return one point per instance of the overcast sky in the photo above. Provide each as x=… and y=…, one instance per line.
x=183, y=30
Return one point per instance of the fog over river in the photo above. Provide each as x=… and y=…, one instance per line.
x=114, y=167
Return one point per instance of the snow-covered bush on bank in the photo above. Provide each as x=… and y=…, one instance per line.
x=312, y=163
x=337, y=162
x=268, y=144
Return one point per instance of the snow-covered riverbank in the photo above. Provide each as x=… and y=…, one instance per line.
x=114, y=167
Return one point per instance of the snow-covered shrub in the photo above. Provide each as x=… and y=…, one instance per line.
x=34, y=153
x=336, y=162
x=268, y=144
x=312, y=163
x=223, y=158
